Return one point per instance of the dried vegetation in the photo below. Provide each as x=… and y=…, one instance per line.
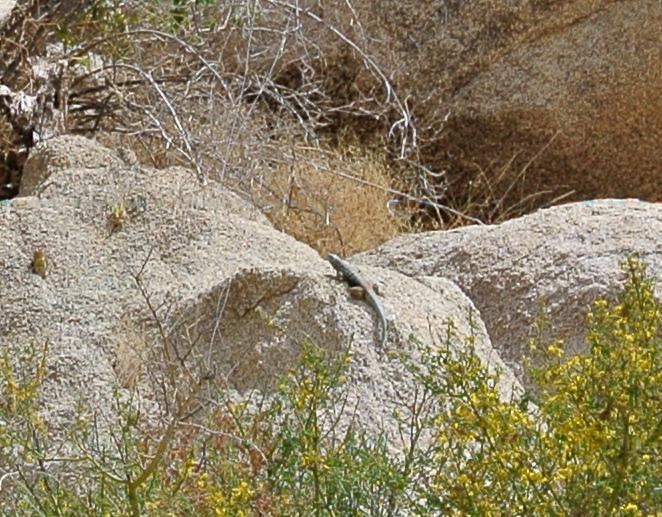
x=305, y=107
x=316, y=110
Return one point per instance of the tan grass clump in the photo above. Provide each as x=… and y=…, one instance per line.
x=129, y=358
x=335, y=200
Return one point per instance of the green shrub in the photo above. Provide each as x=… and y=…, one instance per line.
x=587, y=442
x=589, y=446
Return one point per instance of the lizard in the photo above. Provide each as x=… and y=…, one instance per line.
x=354, y=279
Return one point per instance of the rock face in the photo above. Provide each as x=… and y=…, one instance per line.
x=126, y=246
x=533, y=98
x=5, y=8
x=566, y=257
x=177, y=236
x=582, y=96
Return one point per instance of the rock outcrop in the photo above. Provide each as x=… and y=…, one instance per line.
x=532, y=99
x=580, y=100
x=128, y=247
x=562, y=259
x=5, y=8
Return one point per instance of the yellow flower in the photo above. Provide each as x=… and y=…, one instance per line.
x=631, y=508
x=189, y=467
x=563, y=474
x=152, y=505
x=219, y=503
x=555, y=351
x=535, y=476
x=202, y=480
x=241, y=493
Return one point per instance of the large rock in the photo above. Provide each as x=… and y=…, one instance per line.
x=234, y=297
x=563, y=257
x=581, y=100
x=6, y=7
x=531, y=100
x=66, y=152
x=178, y=237
x=254, y=324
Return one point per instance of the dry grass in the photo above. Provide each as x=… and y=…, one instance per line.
x=129, y=365
x=311, y=109
x=336, y=201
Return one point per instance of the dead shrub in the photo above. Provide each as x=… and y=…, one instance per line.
x=240, y=91
x=130, y=357
x=336, y=201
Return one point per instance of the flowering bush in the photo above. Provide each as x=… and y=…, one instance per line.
x=586, y=441
x=590, y=443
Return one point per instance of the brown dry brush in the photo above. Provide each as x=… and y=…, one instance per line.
x=233, y=66
x=238, y=89
x=233, y=89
